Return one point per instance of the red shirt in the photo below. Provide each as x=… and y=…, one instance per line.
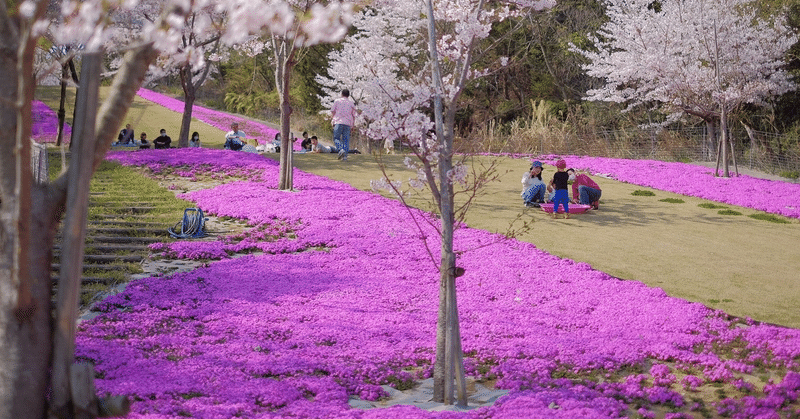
x=582, y=179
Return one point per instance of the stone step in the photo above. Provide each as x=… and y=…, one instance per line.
x=106, y=259
x=109, y=248
x=125, y=239
x=127, y=231
x=89, y=280
x=86, y=267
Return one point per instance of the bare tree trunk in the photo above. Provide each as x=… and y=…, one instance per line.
x=24, y=315
x=448, y=337
x=285, y=51
x=69, y=284
x=29, y=216
x=61, y=111
x=189, y=95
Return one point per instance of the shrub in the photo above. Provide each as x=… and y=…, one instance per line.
x=790, y=174
x=769, y=217
x=711, y=205
x=640, y=192
x=728, y=212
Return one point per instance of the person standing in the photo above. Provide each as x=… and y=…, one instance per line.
x=163, y=140
x=343, y=113
x=585, y=191
x=560, y=183
x=234, y=139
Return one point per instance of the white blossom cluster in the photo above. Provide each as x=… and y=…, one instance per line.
x=184, y=31
x=386, y=66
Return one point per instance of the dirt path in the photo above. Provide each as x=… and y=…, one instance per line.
x=743, y=266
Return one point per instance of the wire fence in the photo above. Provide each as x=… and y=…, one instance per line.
x=757, y=150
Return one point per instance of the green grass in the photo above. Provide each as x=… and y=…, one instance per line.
x=770, y=217
x=789, y=174
x=672, y=200
x=711, y=205
x=728, y=212
x=640, y=192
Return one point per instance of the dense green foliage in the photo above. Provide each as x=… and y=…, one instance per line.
x=541, y=71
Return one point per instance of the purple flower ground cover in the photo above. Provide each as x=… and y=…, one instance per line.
x=343, y=299
x=687, y=179
x=45, y=124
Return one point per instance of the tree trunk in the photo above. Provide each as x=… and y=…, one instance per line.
x=24, y=296
x=285, y=51
x=189, y=95
x=29, y=217
x=448, y=337
x=61, y=111
x=74, y=232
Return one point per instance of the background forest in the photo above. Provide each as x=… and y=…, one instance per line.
x=536, y=103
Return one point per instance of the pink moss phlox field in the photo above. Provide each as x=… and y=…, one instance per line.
x=261, y=132
x=771, y=196
x=45, y=125
x=300, y=329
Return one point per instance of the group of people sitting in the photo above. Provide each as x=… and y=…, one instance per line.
x=236, y=140
x=126, y=138
x=535, y=192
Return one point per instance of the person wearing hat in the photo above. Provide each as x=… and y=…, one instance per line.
x=533, y=189
x=560, y=183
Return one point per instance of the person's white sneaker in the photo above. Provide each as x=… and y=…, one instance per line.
x=341, y=155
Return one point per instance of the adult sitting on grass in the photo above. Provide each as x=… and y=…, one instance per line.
x=533, y=189
x=234, y=139
x=143, y=144
x=163, y=140
x=585, y=191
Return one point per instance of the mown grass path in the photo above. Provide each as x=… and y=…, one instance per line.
x=746, y=267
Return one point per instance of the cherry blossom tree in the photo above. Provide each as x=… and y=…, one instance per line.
x=193, y=61
x=37, y=348
x=406, y=67
x=703, y=58
x=307, y=23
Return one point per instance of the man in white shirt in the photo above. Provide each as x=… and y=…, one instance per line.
x=234, y=139
x=343, y=112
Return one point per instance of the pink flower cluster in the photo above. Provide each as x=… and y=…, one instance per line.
x=771, y=196
x=344, y=300
x=45, y=124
